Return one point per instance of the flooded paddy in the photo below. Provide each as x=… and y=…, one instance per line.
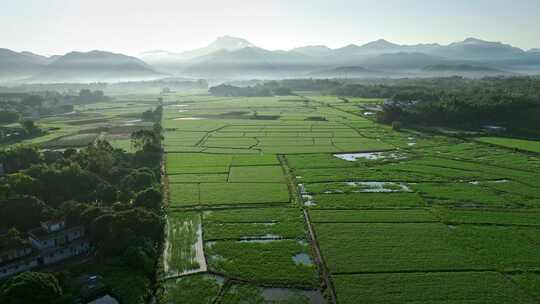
x=184, y=249
x=352, y=157
x=378, y=187
x=302, y=259
x=189, y=118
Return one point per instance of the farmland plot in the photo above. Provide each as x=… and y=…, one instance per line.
x=459, y=287
x=396, y=215
x=183, y=250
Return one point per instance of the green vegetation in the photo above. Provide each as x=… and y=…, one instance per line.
x=113, y=195
x=530, y=281
x=372, y=216
x=180, y=250
x=196, y=289
x=459, y=287
x=253, y=223
x=520, y=144
x=410, y=207
x=237, y=294
x=404, y=212
x=31, y=287
x=263, y=261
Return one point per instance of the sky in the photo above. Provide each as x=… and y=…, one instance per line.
x=134, y=26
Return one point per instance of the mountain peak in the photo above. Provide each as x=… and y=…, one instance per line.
x=380, y=44
x=230, y=43
x=474, y=40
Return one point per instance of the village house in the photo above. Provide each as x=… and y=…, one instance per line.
x=50, y=243
x=16, y=257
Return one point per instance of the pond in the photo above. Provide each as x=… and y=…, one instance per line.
x=302, y=259
x=287, y=295
x=106, y=299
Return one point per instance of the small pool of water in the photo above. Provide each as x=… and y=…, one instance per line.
x=302, y=259
x=352, y=157
x=379, y=187
x=106, y=299
x=263, y=238
x=355, y=156
x=189, y=118
x=308, y=200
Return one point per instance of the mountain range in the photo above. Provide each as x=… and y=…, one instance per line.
x=236, y=58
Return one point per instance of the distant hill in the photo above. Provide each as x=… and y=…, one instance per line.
x=227, y=43
x=95, y=66
x=173, y=62
x=464, y=70
x=476, y=49
x=14, y=65
x=251, y=62
x=403, y=61
x=313, y=50
x=347, y=72
x=236, y=58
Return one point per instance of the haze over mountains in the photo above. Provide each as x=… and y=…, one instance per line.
x=235, y=58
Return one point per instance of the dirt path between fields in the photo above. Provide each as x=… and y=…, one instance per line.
x=319, y=261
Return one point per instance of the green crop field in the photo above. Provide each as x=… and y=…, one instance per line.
x=525, y=145
x=443, y=287
x=281, y=187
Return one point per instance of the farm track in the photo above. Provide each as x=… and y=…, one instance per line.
x=320, y=260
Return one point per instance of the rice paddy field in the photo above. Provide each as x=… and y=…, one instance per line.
x=520, y=144
x=113, y=120
x=305, y=200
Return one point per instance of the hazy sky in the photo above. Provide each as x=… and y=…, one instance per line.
x=133, y=26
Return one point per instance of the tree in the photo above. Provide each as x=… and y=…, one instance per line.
x=23, y=213
x=149, y=198
x=396, y=125
x=72, y=212
x=138, y=258
x=142, y=138
x=19, y=158
x=61, y=182
x=11, y=239
x=7, y=117
x=100, y=157
x=30, y=127
x=112, y=233
x=21, y=184
x=33, y=101
x=139, y=180
x=31, y=287
x=281, y=91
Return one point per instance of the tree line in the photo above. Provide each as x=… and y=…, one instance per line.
x=266, y=89
x=512, y=102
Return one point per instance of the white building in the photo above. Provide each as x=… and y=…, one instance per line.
x=48, y=244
